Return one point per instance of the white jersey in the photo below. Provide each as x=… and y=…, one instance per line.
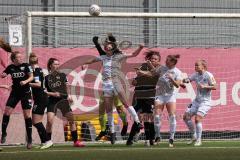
x=111, y=65
x=203, y=95
x=164, y=85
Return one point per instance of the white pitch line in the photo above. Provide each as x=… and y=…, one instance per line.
x=116, y=149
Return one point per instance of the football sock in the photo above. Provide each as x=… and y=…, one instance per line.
x=157, y=125
x=110, y=121
x=102, y=121
x=5, y=122
x=172, y=125
x=133, y=113
x=147, y=130
x=151, y=130
x=74, y=135
x=123, y=116
x=28, y=125
x=199, y=130
x=41, y=131
x=190, y=126
x=49, y=136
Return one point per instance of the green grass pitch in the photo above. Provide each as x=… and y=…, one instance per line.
x=211, y=150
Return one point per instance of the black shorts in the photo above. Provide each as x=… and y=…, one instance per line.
x=40, y=104
x=144, y=105
x=24, y=97
x=61, y=104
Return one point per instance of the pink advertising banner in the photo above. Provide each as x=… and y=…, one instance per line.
x=86, y=83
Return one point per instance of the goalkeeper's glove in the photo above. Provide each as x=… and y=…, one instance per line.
x=95, y=40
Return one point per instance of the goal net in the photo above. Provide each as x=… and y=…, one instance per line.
x=213, y=37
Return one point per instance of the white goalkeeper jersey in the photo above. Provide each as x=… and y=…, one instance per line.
x=203, y=95
x=164, y=85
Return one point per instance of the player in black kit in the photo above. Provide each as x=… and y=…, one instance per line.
x=40, y=101
x=56, y=84
x=143, y=101
x=21, y=74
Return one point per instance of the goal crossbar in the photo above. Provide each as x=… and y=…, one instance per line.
x=30, y=14
x=135, y=15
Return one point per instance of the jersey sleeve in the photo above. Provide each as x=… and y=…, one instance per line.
x=28, y=69
x=211, y=80
x=46, y=84
x=144, y=67
x=158, y=70
x=7, y=70
x=100, y=58
x=42, y=78
x=39, y=76
x=192, y=77
x=122, y=56
x=178, y=75
x=66, y=79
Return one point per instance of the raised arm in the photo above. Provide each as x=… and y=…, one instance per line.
x=136, y=52
x=5, y=46
x=98, y=46
x=92, y=60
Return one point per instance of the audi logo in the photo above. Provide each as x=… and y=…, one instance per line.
x=18, y=75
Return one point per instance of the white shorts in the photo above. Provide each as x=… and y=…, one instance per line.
x=198, y=108
x=108, y=89
x=166, y=99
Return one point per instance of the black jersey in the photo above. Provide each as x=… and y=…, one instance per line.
x=57, y=82
x=19, y=73
x=38, y=77
x=145, y=87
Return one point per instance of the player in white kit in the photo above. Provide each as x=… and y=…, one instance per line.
x=169, y=79
x=200, y=106
x=112, y=85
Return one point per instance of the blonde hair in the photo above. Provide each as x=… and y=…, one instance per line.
x=33, y=59
x=204, y=63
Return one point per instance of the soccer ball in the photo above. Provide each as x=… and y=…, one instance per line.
x=94, y=10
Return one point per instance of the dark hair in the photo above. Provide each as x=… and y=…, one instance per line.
x=110, y=39
x=173, y=58
x=33, y=59
x=50, y=62
x=150, y=53
x=13, y=55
